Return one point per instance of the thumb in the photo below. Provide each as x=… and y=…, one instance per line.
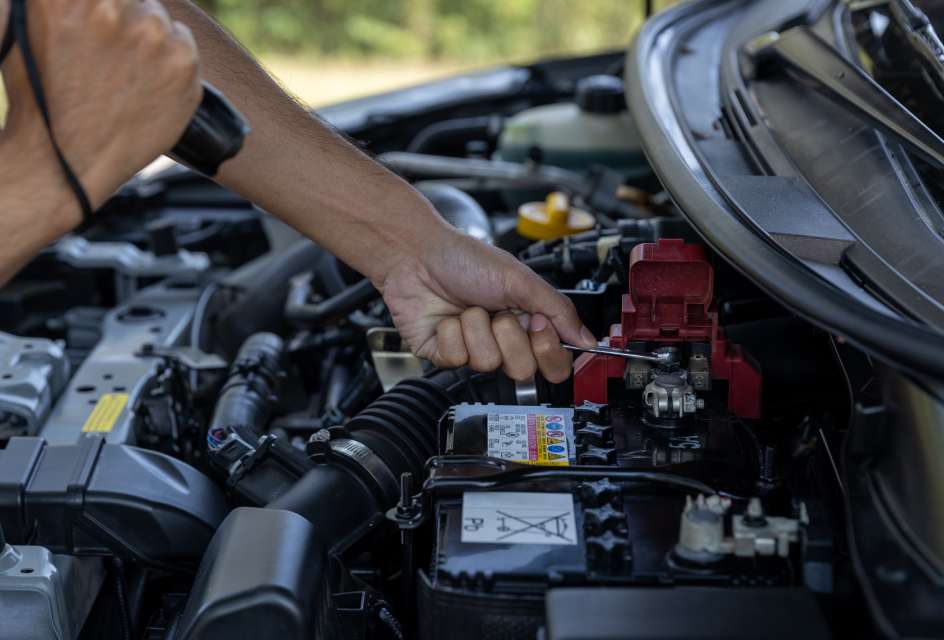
x=532, y=294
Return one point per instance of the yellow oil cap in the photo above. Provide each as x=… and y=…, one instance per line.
x=553, y=218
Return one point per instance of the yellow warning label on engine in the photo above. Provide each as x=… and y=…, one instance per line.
x=106, y=412
x=535, y=435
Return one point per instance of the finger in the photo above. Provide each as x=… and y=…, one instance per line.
x=155, y=10
x=183, y=33
x=189, y=52
x=554, y=362
x=480, y=343
x=517, y=360
x=524, y=319
x=450, y=346
x=531, y=293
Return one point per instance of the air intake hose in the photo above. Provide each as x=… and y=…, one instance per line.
x=247, y=398
x=258, y=467
x=342, y=485
x=348, y=475
x=357, y=468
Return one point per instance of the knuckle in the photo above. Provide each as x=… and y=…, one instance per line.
x=473, y=314
x=454, y=359
x=517, y=282
x=451, y=348
x=520, y=371
x=492, y=361
x=556, y=376
x=567, y=306
x=185, y=60
x=106, y=13
x=485, y=362
x=151, y=30
x=479, y=366
x=542, y=348
x=505, y=325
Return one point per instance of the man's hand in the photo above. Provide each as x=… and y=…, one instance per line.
x=442, y=302
x=122, y=82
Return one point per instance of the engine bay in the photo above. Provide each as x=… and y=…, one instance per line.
x=211, y=428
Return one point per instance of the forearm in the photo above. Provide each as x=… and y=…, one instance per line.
x=35, y=208
x=298, y=169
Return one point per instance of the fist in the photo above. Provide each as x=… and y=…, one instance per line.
x=462, y=302
x=121, y=80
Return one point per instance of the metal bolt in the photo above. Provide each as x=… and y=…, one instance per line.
x=321, y=435
x=406, y=492
x=668, y=356
x=754, y=516
x=318, y=444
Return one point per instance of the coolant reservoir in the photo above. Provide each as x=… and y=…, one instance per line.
x=596, y=129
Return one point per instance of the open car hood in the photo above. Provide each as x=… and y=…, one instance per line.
x=851, y=241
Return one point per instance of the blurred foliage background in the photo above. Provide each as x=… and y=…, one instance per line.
x=470, y=30
x=327, y=50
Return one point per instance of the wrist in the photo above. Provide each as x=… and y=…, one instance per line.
x=34, y=190
x=414, y=241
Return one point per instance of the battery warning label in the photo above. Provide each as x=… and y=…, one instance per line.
x=531, y=435
x=517, y=517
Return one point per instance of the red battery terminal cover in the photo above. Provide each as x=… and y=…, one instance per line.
x=671, y=300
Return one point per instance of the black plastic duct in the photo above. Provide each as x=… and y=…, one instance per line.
x=341, y=486
x=357, y=469
x=247, y=398
x=451, y=136
x=262, y=577
x=259, y=289
x=93, y=498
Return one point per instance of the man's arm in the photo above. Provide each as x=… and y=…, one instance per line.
x=24, y=191
x=298, y=169
x=440, y=286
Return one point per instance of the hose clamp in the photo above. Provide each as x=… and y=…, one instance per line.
x=365, y=459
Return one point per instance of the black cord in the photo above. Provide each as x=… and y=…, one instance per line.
x=19, y=31
x=8, y=40
x=506, y=473
x=390, y=622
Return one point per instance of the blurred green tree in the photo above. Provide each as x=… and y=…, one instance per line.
x=471, y=30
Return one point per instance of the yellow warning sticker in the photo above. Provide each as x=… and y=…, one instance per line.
x=106, y=412
x=530, y=435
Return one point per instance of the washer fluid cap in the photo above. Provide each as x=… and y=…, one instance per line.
x=553, y=218
x=601, y=94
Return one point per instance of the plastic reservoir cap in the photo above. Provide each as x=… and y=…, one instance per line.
x=601, y=95
x=553, y=218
